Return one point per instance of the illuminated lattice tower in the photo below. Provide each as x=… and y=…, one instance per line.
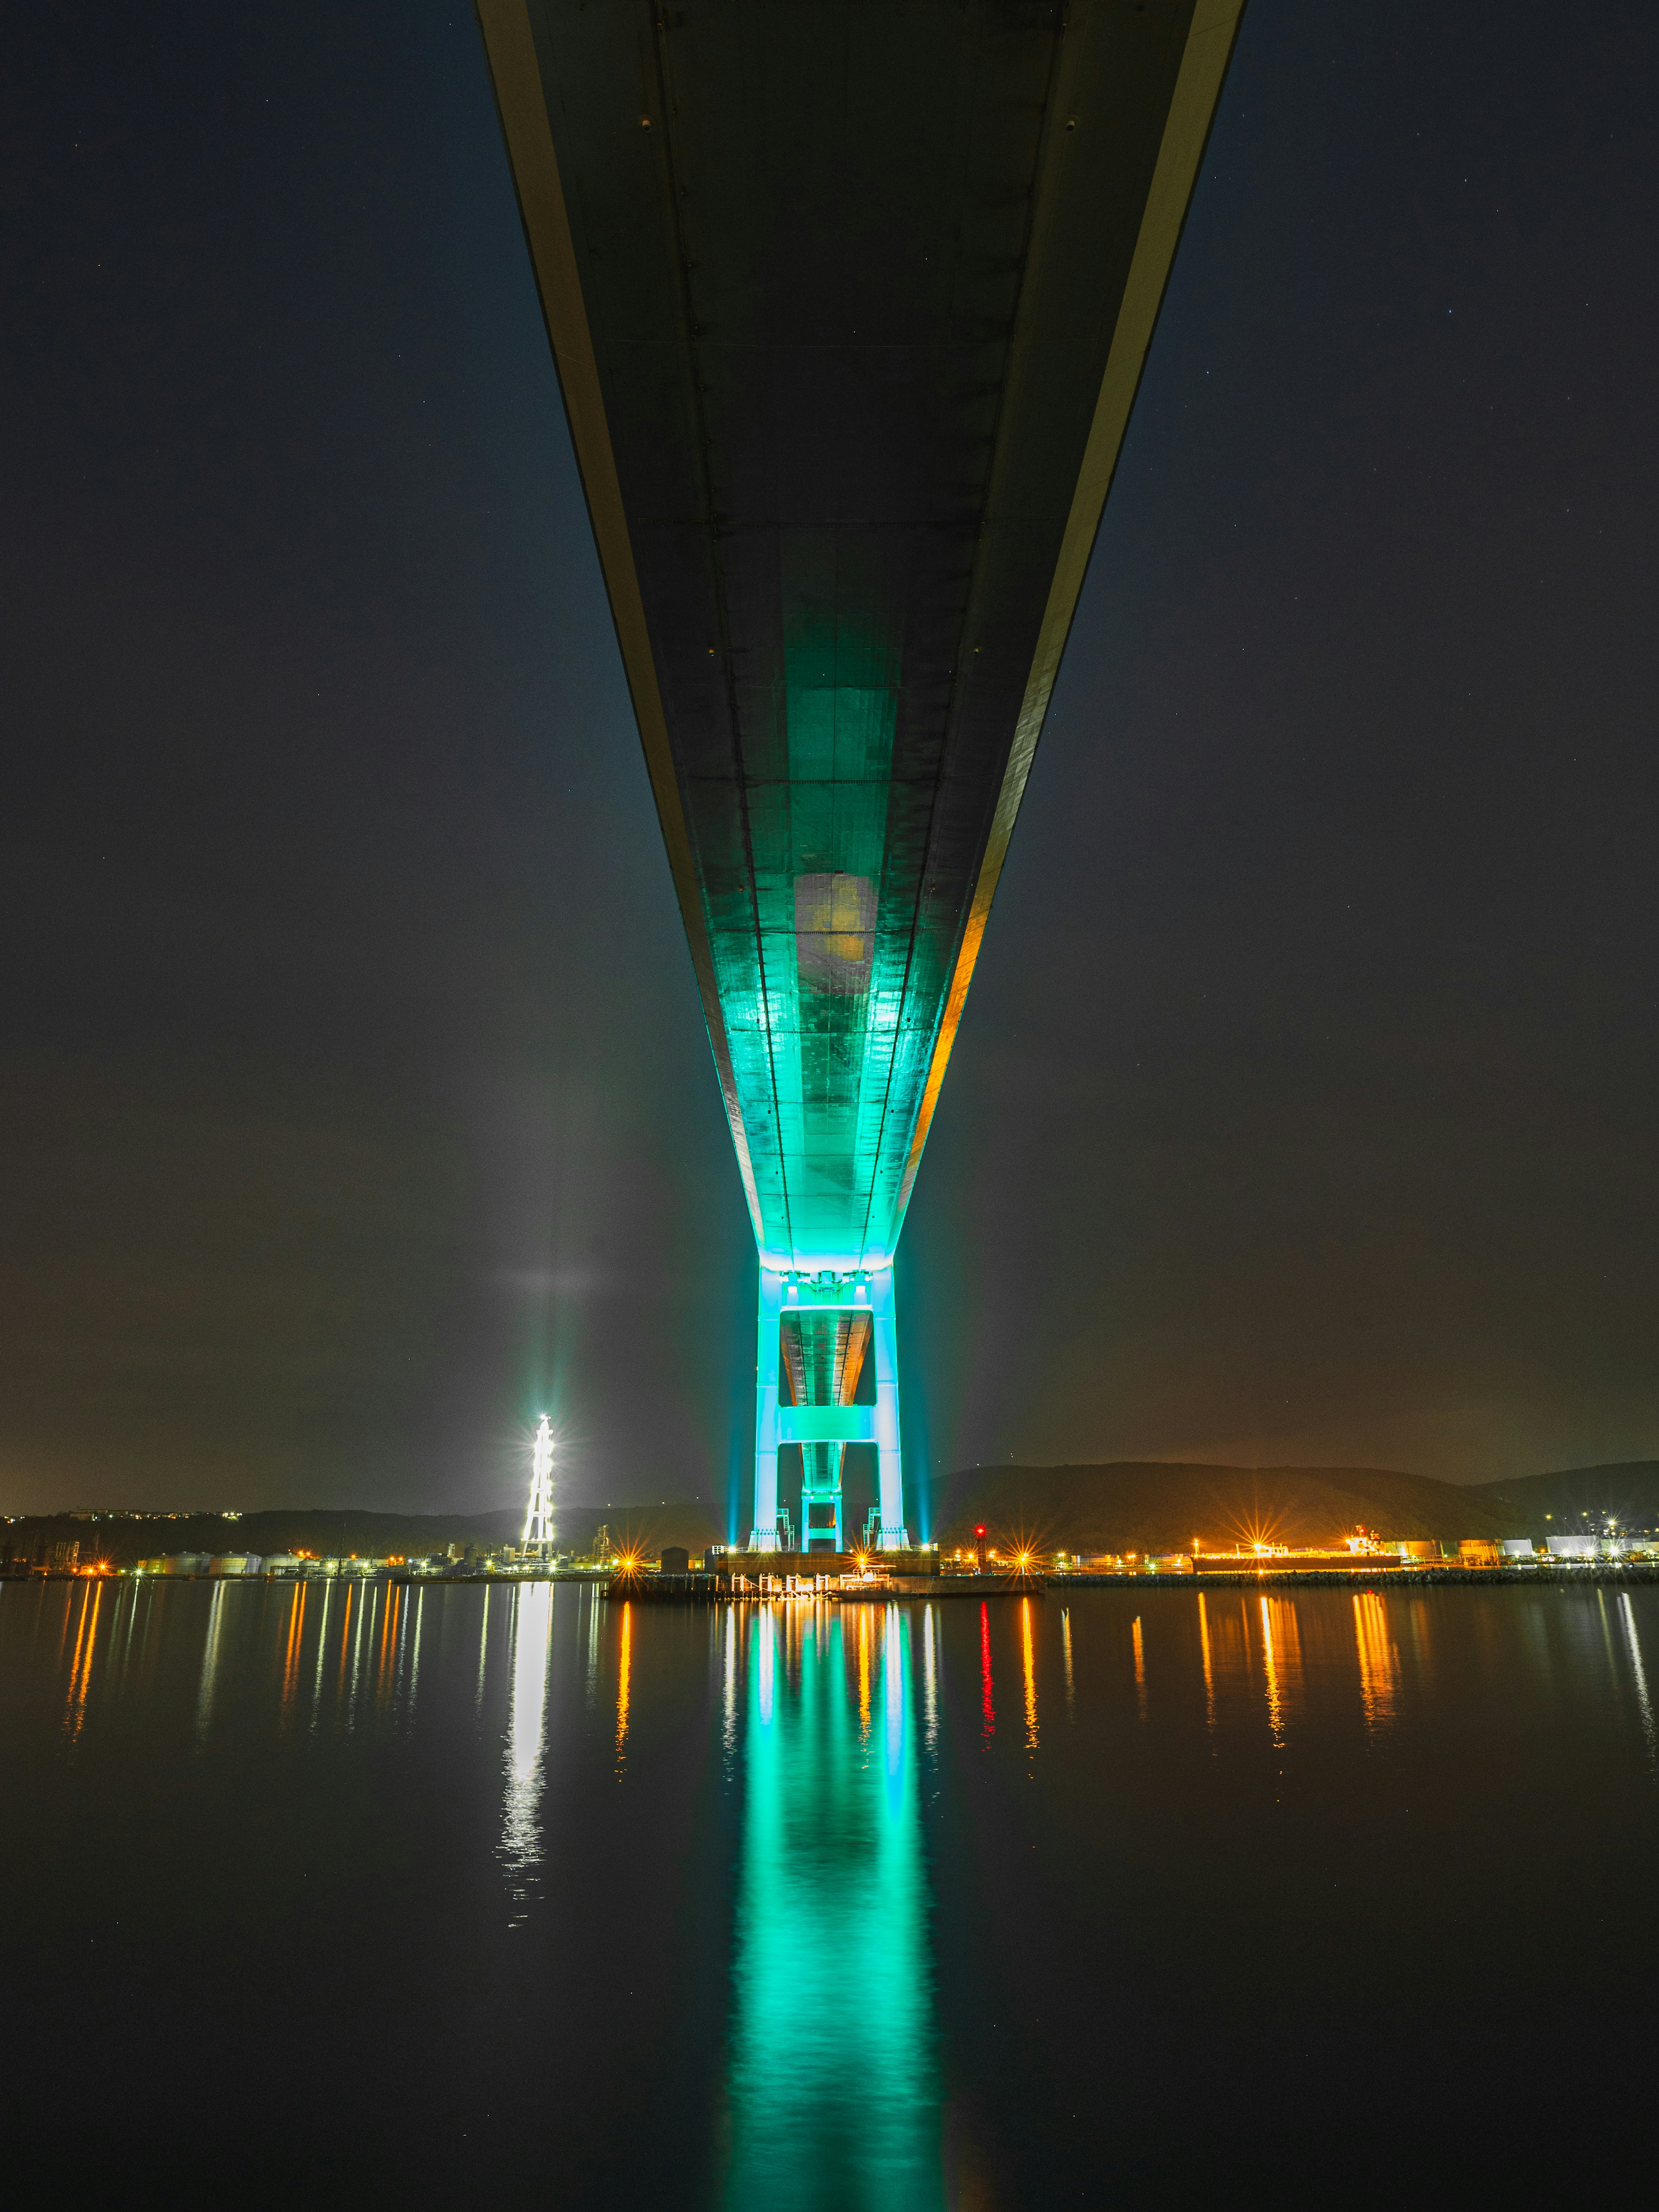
x=538, y=1520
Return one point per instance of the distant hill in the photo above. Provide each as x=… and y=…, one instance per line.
x=338, y=1533
x=1627, y=1491
x=1153, y=1505
x=1124, y=1506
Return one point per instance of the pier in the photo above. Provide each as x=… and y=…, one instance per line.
x=850, y=1589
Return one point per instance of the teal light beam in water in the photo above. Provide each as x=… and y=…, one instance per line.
x=832, y=2090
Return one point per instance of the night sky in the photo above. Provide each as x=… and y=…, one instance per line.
x=356, y=1100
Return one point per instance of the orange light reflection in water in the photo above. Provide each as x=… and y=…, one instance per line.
x=1275, y=1703
x=1141, y=1667
x=291, y=1657
x=1066, y=1647
x=1379, y=1660
x=85, y=1638
x=388, y=1648
x=1031, y=1674
x=80, y=1632
x=624, y=1670
x=1209, y=1671
x=864, y=1674
x=1281, y=1659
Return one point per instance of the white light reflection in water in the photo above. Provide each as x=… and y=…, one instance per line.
x=728, y=1688
x=521, y=1835
x=370, y=1598
x=833, y=2095
x=132, y=1621
x=1641, y=1698
x=414, y=1657
x=930, y=1680
x=322, y=1651
x=484, y=1651
x=211, y=1662
x=1607, y=1632
x=767, y=1629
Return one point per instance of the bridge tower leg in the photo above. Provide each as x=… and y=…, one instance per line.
x=764, y=1535
x=893, y=1536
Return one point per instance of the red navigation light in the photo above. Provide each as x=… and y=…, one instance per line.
x=979, y=1532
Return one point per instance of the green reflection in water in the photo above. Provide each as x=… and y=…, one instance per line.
x=832, y=2088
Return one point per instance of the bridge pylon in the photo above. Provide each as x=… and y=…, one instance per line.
x=817, y=1332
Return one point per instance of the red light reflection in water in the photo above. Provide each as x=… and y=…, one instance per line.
x=987, y=1710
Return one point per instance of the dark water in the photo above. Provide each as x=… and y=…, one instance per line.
x=418, y=1896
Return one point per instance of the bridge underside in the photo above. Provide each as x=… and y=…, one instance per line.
x=849, y=303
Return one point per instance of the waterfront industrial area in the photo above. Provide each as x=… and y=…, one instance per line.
x=624, y=1569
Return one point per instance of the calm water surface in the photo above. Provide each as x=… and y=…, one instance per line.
x=414, y=1895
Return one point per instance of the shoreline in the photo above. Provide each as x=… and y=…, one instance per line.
x=715, y=1589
